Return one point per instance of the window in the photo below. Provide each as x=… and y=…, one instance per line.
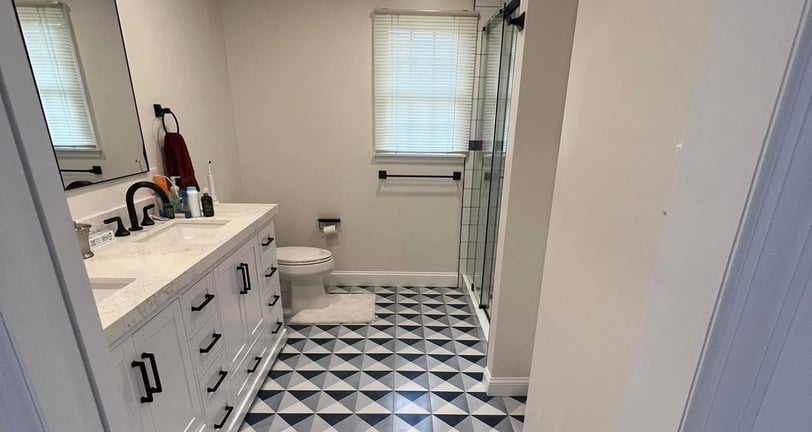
x=424, y=75
x=52, y=52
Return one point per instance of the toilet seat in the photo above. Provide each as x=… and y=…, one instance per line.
x=302, y=256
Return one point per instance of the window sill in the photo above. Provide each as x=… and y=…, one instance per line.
x=79, y=153
x=420, y=158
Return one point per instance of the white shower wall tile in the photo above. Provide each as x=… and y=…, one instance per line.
x=479, y=4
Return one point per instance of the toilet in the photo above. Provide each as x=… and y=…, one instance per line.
x=302, y=270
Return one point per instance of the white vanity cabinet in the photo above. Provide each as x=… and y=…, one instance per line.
x=159, y=376
x=237, y=285
x=197, y=364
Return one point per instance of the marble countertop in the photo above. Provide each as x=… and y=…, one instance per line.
x=159, y=273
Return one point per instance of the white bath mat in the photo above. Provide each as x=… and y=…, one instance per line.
x=343, y=309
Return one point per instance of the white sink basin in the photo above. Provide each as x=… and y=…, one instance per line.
x=182, y=231
x=105, y=287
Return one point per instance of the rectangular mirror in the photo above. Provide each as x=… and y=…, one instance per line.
x=80, y=66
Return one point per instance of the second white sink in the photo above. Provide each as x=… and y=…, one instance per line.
x=105, y=287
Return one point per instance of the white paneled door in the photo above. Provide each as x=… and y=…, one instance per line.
x=756, y=373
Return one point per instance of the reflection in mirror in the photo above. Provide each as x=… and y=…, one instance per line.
x=77, y=54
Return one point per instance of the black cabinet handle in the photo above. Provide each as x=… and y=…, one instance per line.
x=243, y=268
x=275, y=300
x=225, y=419
x=198, y=308
x=246, y=278
x=278, y=327
x=223, y=375
x=256, y=365
x=267, y=243
x=273, y=270
x=142, y=365
x=158, y=388
x=214, y=338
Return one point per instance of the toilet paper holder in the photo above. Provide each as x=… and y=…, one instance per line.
x=327, y=221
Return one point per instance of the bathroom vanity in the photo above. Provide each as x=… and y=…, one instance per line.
x=192, y=313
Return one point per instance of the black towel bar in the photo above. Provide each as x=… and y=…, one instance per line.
x=161, y=112
x=95, y=169
x=383, y=175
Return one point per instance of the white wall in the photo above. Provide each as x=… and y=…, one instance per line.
x=667, y=108
x=177, y=58
x=301, y=77
x=536, y=111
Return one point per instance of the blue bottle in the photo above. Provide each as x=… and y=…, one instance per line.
x=185, y=204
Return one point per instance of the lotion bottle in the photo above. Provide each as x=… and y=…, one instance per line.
x=193, y=196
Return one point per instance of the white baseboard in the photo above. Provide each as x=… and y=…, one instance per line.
x=505, y=386
x=435, y=279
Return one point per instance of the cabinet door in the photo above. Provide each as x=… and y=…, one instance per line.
x=230, y=288
x=129, y=390
x=252, y=301
x=162, y=351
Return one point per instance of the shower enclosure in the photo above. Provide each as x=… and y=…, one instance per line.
x=485, y=163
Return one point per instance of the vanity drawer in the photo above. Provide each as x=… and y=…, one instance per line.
x=206, y=344
x=215, y=381
x=271, y=285
x=199, y=304
x=266, y=240
x=220, y=414
x=276, y=322
x=216, y=394
x=249, y=369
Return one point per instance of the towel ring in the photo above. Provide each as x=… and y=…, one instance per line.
x=163, y=120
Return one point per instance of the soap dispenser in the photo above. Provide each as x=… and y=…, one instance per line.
x=174, y=194
x=82, y=231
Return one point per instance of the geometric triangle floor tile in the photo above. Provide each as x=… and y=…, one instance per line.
x=418, y=367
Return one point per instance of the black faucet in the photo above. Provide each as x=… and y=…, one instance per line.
x=131, y=205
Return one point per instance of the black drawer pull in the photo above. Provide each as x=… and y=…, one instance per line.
x=273, y=270
x=223, y=375
x=243, y=268
x=278, y=327
x=198, y=308
x=214, y=338
x=150, y=390
x=267, y=243
x=256, y=365
x=225, y=419
x=275, y=301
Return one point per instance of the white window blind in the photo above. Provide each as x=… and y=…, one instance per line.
x=423, y=73
x=51, y=50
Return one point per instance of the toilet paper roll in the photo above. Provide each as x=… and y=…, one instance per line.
x=330, y=230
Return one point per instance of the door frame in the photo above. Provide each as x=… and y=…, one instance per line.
x=761, y=206
x=45, y=302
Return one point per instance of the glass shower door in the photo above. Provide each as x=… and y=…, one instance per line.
x=486, y=163
x=494, y=175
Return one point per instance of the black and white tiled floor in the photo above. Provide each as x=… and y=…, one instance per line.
x=417, y=368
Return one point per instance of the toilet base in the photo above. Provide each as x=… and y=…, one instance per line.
x=305, y=284
x=308, y=294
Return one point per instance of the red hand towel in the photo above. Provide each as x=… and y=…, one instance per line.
x=177, y=160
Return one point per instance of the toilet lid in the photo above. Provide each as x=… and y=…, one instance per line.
x=298, y=255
